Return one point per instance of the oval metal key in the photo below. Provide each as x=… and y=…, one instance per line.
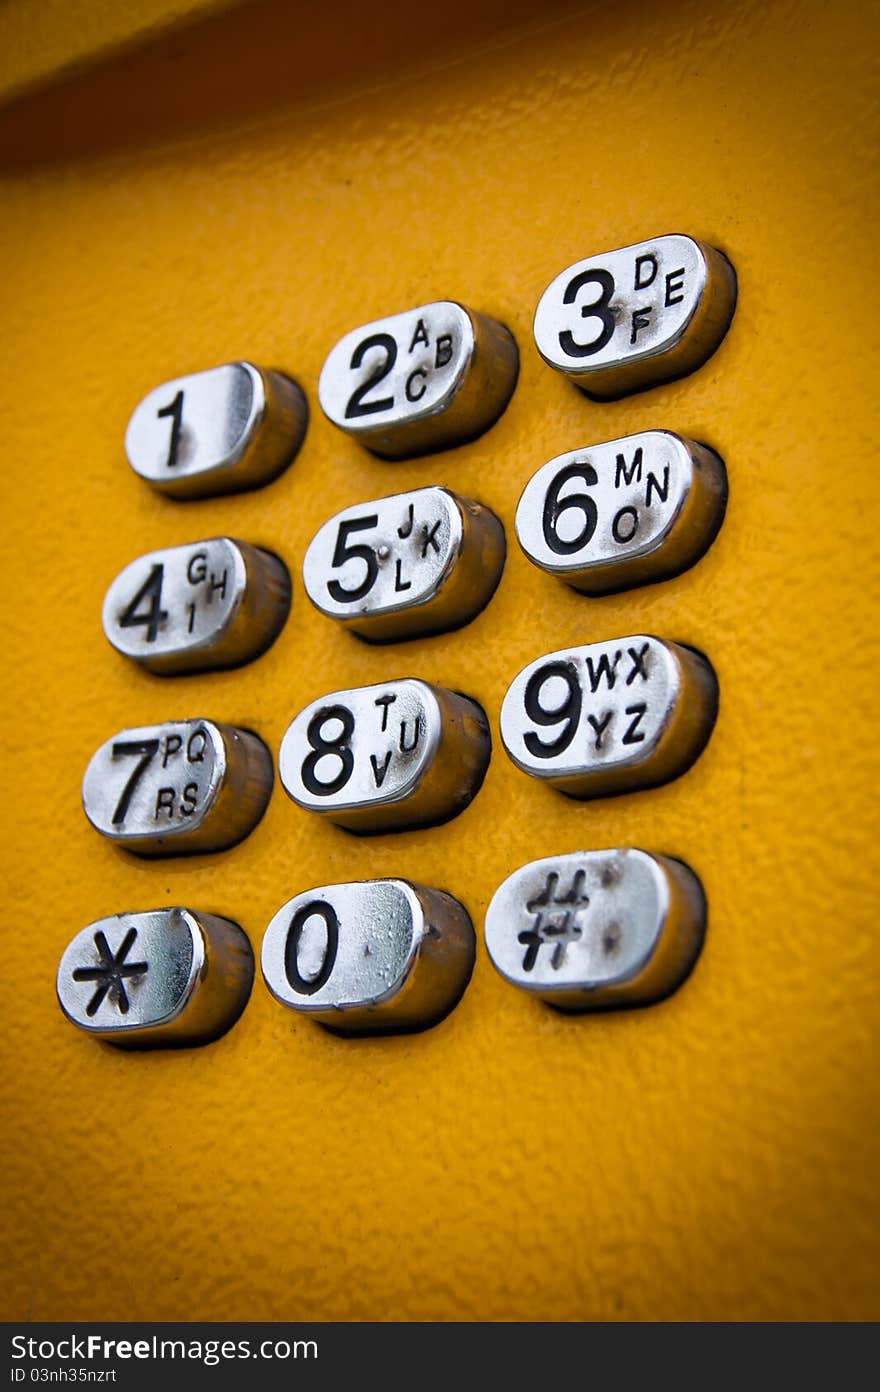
x=370, y=957
x=216, y=603
x=610, y=717
x=223, y=430
x=388, y=757
x=597, y=930
x=624, y=513
x=632, y=318
x=178, y=788
x=158, y=979
x=424, y=380
x=415, y=563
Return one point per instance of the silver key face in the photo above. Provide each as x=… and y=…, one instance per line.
x=623, y=513
x=386, y=757
x=178, y=788
x=597, y=930
x=370, y=957
x=610, y=717
x=219, y=431
x=632, y=318
x=424, y=380
x=414, y=563
x=162, y=978
x=215, y=603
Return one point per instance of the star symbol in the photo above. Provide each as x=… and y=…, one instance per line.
x=110, y=972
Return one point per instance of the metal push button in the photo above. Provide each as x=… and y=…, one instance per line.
x=388, y=757
x=415, y=563
x=163, y=978
x=637, y=316
x=220, y=431
x=610, y=717
x=370, y=957
x=597, y=930
x=216, y=603
x=178, y=788
x=424, y=380
x=624, y=513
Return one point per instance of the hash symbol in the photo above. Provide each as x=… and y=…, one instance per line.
x=110, y=972
x=564, y=927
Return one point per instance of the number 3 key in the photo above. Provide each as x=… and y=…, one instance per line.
x=635, y=317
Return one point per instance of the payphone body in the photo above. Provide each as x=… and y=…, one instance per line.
x=193, y=184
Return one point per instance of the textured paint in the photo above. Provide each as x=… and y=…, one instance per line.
x=715, y=1156
x=43, y=39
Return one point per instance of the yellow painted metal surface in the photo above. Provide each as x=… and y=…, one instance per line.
x=41, y=40
x=715, y=1156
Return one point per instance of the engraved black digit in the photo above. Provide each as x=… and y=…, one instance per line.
x=569, y=711
x=344, y=552
x=599, y=309
x=318, y=908
x=147, y=749
x=356, y=404
x=110, y=972
x=554, y=507
x=154, y=614
x=174, y=409
x=321, y=747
